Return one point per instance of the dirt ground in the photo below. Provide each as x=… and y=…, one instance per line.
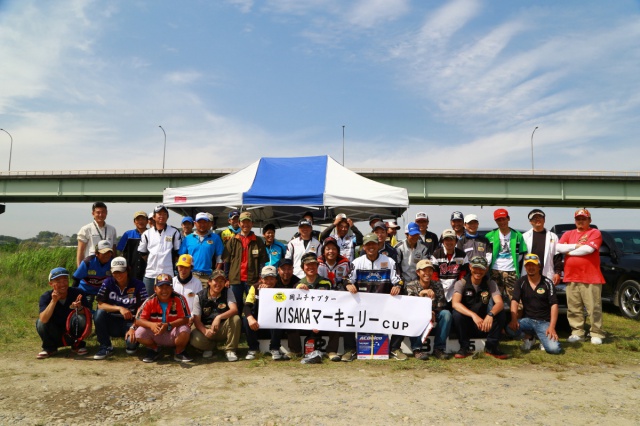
x=68, y=390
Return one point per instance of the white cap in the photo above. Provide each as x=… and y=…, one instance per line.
x=422, y=215
x=470, y=217
x=119, y=264
x=203, y=216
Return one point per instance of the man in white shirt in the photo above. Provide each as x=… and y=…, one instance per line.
x=98, y=230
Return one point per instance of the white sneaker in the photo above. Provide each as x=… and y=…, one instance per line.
x=251, y=355
x=526, y=344
x=596, y=341
x=542, y=347
x=207, y=354
x=231, y=356
x=574, y=338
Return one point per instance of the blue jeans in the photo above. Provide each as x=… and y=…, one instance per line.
x=538, y=328
x=111, y=325
x=149, y=283
x=252, y=337
x=440, y=333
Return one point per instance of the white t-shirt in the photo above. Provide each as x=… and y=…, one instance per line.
x=188, y=290
x=504, y=262
x=91, y=234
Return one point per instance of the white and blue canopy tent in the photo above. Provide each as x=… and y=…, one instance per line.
x=280, y=190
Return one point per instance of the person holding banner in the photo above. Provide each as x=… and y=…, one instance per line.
x=472, y=316
x=286, y=279
x=374, y=273
x=426, y=287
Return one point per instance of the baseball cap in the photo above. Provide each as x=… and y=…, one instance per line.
x=308, y=258
x=478, y=262
x=582, y=212
x=534, y=212
x=203, y=216
x=375, y=217
x=286, y=262
x=304, y=222
x=422, y=215
x=531, y=258
x=269, y=227
x=58, y=272
x=104, y=246
x=470, y=218
x=457, y=216
x=392, y=224
x=500, y=213
x=329, y=240
x=187, y=219
x=341, y=216
x=424, y=263
x=379, y=224
x=234, y=213
x=269, y=271
x=448, y=233
x=217, y=273
x=370, y=238
x=139, y=213
x=150, y=215
x=185, y=260
x=119, y=264
x=245, y=216
x=163, y=279
x=159, y=208
x=413, y=228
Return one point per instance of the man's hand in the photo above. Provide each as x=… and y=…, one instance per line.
x=556, y=279
x=130, y=336
x=395, y=290
x=351, y=288
x=77, y=304
x=159, y=328
x=253, y=324
x=55, y=296
x=215, y=325
x=302, y=287
x=428, y=293
x=477, y=321
x=514, y=324
x=486, y=324
x=226, y=284
x=125, y=313
x=551, y=332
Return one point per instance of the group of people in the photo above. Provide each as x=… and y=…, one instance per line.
x=161, y=286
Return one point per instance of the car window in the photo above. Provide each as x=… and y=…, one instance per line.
x=628, y=242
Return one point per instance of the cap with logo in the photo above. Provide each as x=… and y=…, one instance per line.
x=245, y=216
x=413, y=228
x=478, y=262
x=500, y=213
x=379, y=224
x=119, y=264
x=139, y=213
x=531, y=258
x=159, y=208
x=163, y=279
x=470, y=218
x=203, y=216
x=457, y=216
x=370, y=238
x=308, y=258
x=582, y=212
x=304, y=222
x=269, y=271
x=391, y=224
x=217, y=273
x=448, y=233
x=341, y=216
x=187, y=219
x=58, y=272
x=424, y=263
x=104, y=246
x=234, y=213
x=185, y=260
x=535, y=212
x=421, y=215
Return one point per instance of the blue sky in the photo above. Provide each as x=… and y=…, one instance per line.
x=429, y=84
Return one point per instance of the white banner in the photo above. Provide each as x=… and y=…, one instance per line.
x=343, y=311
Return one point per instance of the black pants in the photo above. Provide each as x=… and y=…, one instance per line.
x=467, y=330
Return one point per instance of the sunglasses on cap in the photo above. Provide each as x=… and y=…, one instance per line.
x=531, y=257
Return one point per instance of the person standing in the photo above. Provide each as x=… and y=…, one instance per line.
x=303, y=243
x=187, y=225
x=581, y=249
x=457, y=224
x=411, y=251
x=449, y=263
x=346, y=235
x=472, y=243
x=543, y=243
x=233, y=228
x=428, y=238
x=205, y=247
x=275, y=249
x=129, y=242
x=98, y=230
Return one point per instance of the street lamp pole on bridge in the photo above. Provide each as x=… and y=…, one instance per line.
x=534, y=130
x=164, y=152
x=11, y=148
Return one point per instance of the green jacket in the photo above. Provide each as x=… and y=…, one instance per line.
x=256, y=258
x=516, y=243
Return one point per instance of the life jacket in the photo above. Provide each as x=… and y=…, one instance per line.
x=477, y=301
x=211, y=308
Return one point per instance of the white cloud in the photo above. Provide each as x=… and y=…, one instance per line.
x=245, y=6
x=183, y=77
x=368, y=13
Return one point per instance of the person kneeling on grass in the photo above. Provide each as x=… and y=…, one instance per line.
x=119, y=298
x=215, y=316
x=540, y=307
x=55, y=307
x=268, y=279
x=162, y=320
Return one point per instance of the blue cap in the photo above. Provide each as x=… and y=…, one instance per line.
x=413, y=228
x=234, y=213
x=58, y=272
x=187, y=219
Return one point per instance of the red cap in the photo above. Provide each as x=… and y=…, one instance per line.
x=582, y=212
x=500, y=213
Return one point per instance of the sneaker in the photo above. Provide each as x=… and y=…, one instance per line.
x=131, y=350
x=250, y=355
x=231, y=356
x=527, y=344
x=574, y=338
x=334, y=357
x=81, y=351
x=349, y=356
x=440, y=354
x=207, y=354
x=46, y=354
x=464, y=353
x=398, y=355
x=103, y=352
x=285, y=356
x=276, y=354
x=596, y=341
x=422, y=356
x=182, y=357
x=151, y=356
x=496, y=353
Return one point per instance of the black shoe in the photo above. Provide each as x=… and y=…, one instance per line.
x=496, y=353
x=440, y=354
x=422, y=356
x=151, y=356
x=464, y=353
x=182, y=357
